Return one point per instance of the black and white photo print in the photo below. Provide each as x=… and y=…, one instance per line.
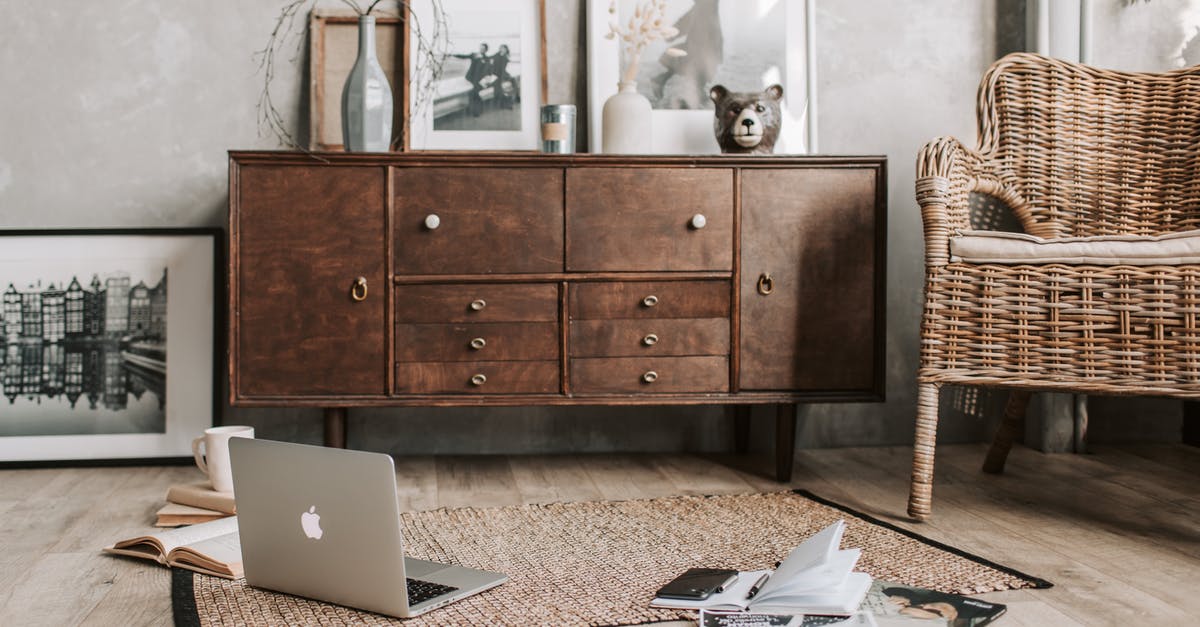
x=480, y=88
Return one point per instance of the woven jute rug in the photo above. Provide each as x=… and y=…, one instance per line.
x=599, y=563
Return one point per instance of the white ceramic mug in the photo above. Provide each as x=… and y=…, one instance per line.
x=214, y=460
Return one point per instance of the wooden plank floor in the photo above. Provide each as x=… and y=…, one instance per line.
x=1117, y=531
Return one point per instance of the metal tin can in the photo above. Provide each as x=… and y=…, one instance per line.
x=558, y=128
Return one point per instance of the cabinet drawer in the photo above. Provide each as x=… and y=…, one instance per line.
x=650, y=375
x=478, y=220
x=498, y=341
x=650, y=299
x=628, y=219
x=477, y=302
x=639, y=338
x=480, y=377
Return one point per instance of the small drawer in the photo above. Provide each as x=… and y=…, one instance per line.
x=650, y=299
x=649, y=375
x=480, y=377
x=477, y=302
x=496, y=341
x=638, y=338
x=649, y=219
x=478, y=220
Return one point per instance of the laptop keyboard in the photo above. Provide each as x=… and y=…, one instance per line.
x=420, y=591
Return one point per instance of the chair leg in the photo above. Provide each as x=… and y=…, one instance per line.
x=920, y=495
x=1010, y=427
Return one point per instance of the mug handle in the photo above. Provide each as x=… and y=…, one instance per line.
x=199, y=457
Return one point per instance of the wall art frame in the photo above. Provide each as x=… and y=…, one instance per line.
x=100, y=362
x=333, y=48
x=689, y=131
x=482, y=100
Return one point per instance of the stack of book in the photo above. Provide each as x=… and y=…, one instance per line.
x=192, y=503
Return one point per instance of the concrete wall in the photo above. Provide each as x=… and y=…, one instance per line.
x=120, y=113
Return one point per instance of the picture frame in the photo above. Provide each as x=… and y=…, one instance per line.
x=333, y=48
x=491, y=110
x=101, y=363
x=786, y=25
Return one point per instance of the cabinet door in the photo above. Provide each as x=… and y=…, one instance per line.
x=813, y=232
x=302, y=236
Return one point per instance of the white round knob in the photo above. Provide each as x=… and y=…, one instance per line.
x=698, y=221
x=432, y=221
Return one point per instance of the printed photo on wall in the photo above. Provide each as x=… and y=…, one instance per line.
x=490, y=87
x=107, y=343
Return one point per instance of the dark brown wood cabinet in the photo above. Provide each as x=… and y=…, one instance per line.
x=526, y=279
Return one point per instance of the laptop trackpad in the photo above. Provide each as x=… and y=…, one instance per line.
x=415, y=568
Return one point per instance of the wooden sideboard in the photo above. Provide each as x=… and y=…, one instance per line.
x=442, y=279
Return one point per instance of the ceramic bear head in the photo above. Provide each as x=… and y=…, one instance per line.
x=747, y=122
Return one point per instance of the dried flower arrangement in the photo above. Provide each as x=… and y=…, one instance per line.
x=431, y=45
x=647, y=24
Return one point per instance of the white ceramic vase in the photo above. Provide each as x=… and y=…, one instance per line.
x=626, y=122
x=367, y=97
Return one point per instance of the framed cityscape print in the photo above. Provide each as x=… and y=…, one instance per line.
x=109, y=343
x=491, y=84
x=745, y=45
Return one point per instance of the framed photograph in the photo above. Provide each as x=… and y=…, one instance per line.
x=492, y=81
x=109, y=343
x=745, y=45
x=333, y=48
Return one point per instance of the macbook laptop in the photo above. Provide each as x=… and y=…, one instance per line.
x=324, y=523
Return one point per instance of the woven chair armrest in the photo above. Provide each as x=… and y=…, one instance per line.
x=947, y=172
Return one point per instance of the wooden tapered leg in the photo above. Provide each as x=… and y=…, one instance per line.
x=335, y=427
x=920, y=492
x=785, y=441
x=1010, y=428
x=741, y=428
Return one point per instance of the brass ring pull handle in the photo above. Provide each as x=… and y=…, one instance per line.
x=478, y=343
x=478, y=305
x=650, y=301
x=358, y=291
x=650, y=340
x=478, y=379
x=766, y=284
x=432, y=221
x=650, y=376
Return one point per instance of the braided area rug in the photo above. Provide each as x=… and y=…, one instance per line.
x=599, y=563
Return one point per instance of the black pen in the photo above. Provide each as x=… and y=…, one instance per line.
x=758, y=585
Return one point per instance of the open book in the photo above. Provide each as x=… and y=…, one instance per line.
x=212, y=548
x=815, y=578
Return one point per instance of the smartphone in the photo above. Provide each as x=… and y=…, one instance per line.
x=698, y=584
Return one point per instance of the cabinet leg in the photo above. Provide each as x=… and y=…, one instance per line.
x=785, y=441
x=335, y=427
x=1191, y=423
x=741, y=428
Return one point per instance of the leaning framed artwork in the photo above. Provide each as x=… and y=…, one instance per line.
x=745, y=45
x=490, y=81
x=101, y=361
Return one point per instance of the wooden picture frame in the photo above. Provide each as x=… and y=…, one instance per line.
x=101, y=363
x=421, y=118
x=333, y=47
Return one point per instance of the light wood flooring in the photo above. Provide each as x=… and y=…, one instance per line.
x=1117, y=531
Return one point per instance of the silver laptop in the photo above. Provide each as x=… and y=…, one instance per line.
x=323, y=523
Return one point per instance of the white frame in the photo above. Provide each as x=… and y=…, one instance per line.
x=420, y=110
x=190, y=256
x=690, y=132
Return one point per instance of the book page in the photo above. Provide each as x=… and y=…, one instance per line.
x=221, y=555
x=813, y=552
x=183, y=536
x=828, y=576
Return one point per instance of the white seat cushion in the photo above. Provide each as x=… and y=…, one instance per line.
x=1105, y=250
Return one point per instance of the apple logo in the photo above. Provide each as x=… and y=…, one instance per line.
x=310, y=521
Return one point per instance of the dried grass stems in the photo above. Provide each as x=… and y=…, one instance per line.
x=646, y=25
x=431, y=50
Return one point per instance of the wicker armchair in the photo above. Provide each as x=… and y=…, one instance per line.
x=1086, y=159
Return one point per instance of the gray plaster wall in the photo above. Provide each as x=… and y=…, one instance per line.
x=120, y=114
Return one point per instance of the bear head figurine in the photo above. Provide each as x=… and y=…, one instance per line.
x=747, y=122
